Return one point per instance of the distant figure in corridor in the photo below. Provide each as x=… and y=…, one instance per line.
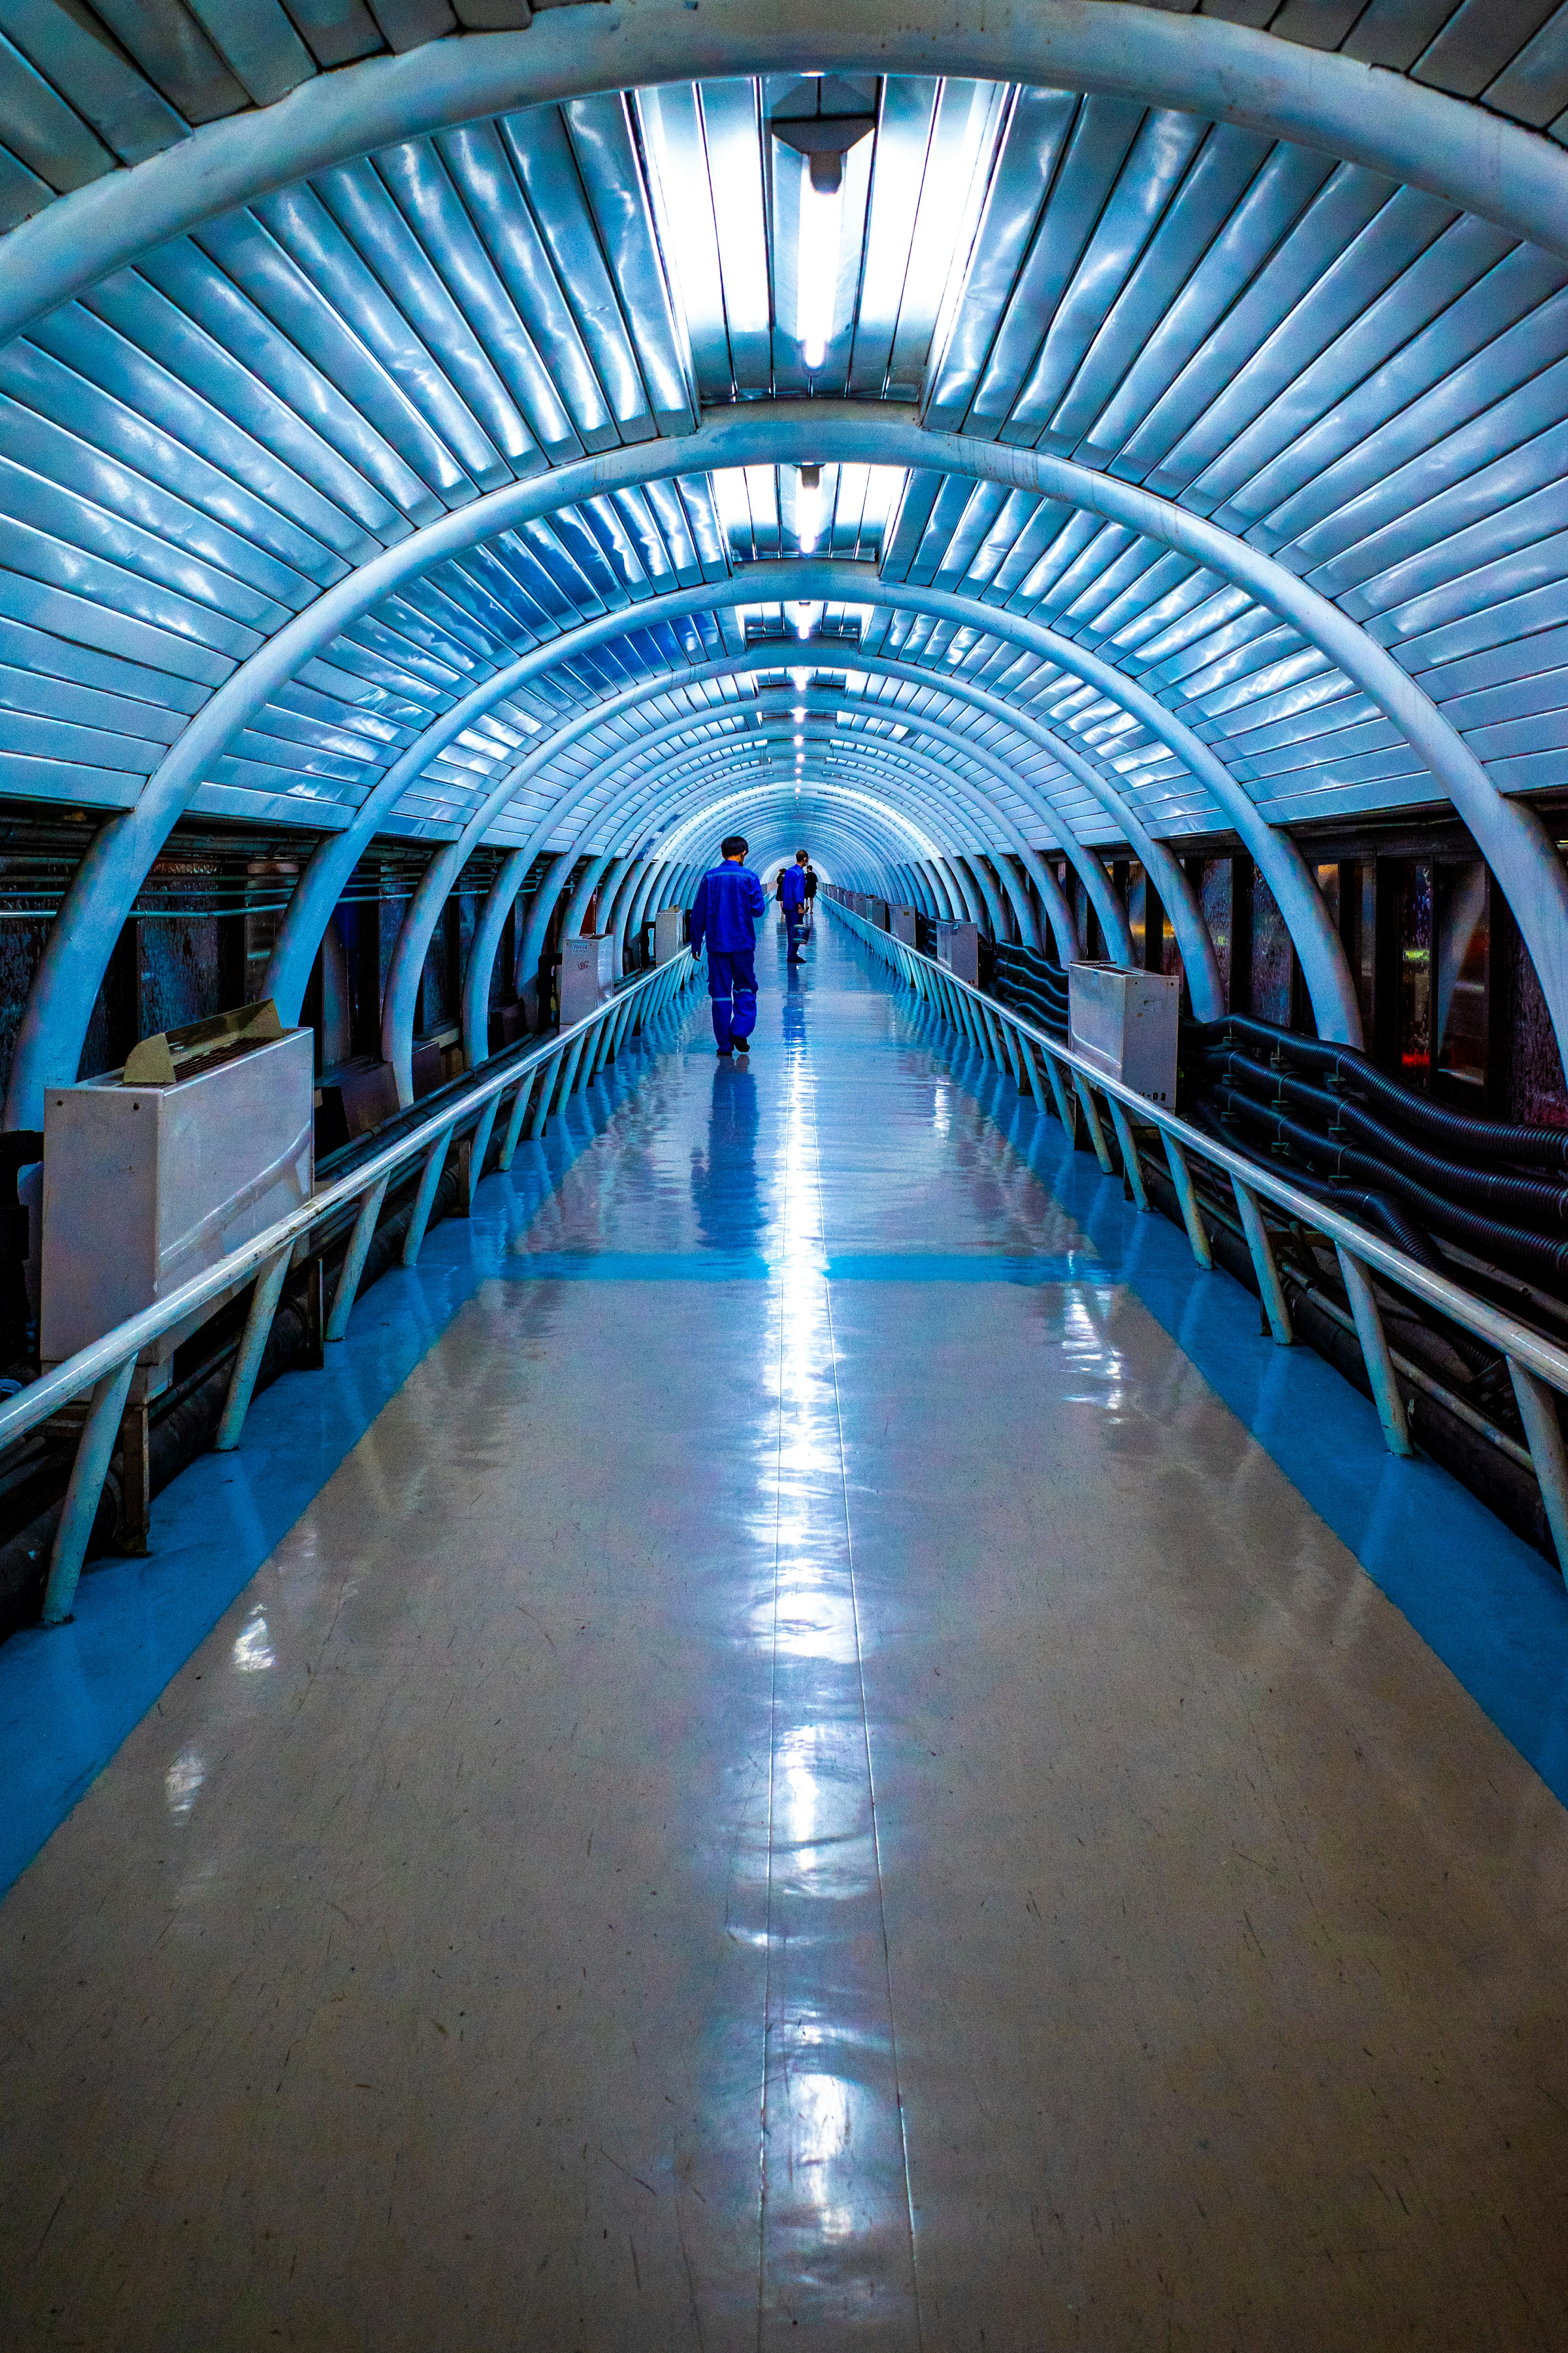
x=792, y=892
x=724, y=915
x=810, y=899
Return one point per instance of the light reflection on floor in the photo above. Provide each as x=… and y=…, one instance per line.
x=836, y=2236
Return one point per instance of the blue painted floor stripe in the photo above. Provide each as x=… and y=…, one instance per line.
x=856, y=1266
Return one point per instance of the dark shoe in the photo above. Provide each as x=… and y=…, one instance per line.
x=742, y=1045
x=725, y=1052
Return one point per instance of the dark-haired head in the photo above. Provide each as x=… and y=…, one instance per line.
x=734, y=845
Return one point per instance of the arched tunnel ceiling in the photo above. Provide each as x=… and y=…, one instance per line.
x=1356, y=377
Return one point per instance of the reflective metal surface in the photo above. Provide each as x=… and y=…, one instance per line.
x=815, y=1777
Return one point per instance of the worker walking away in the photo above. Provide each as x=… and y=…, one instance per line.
x=724, y=920
x=792, y=891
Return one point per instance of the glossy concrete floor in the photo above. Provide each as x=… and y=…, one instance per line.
x=809, y=1779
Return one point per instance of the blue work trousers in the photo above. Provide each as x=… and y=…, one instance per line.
x=732, y=985
x=795, y=927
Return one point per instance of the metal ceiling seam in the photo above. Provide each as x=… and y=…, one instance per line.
x=1220, y=71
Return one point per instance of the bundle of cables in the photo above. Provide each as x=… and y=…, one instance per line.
x=1023, y=979
x=1352, y=1135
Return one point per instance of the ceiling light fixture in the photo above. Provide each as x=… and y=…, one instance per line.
x=822, y=142
x=808, y=509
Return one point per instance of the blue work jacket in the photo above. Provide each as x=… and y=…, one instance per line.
x=793, y=890
x=725, y=913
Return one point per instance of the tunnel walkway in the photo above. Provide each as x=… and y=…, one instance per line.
x=825, y=1770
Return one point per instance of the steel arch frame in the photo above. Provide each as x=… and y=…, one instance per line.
x=414, y=936
x=558, y=878
x=1202, y=66
x=335, y=857
x=1512, y=838
x=298, y=936
x=626, y=810
x=947, y=865
x=624, y=815
x=613, y=817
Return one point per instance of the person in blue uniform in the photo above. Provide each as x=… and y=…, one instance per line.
x=724, y=919
x=792, y=892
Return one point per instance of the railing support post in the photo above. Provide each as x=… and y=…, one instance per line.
x=1270, y=1290
x=89, y=1472
x=353, y=1264
x=1130, y=1164
x=1092, y=1121
x=1375, y=1350
x=424, y=1202
x=569, y=1076
x=1543, y=1436
x=1192, y=1217
x=1065, y=1110
x=514, y=1124
x=252, y=1348
x=541, y=1110
x=480, y=1143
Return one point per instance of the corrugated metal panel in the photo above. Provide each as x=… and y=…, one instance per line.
x=1367, y=385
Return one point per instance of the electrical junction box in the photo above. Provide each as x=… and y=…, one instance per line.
x=587, y=975
x=145, y=1187
x=668, y=934
x=958, y=948
x=1125, y=1023
x=877, y=912
x=901, y=923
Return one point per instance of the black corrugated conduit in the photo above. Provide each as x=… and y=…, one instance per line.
x=1530, y=1200
x=1032, y=985
x=1487, y=1237
x=1352, y=1074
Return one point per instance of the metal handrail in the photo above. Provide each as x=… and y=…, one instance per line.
x=1537, y=1366
x=105, y=1367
